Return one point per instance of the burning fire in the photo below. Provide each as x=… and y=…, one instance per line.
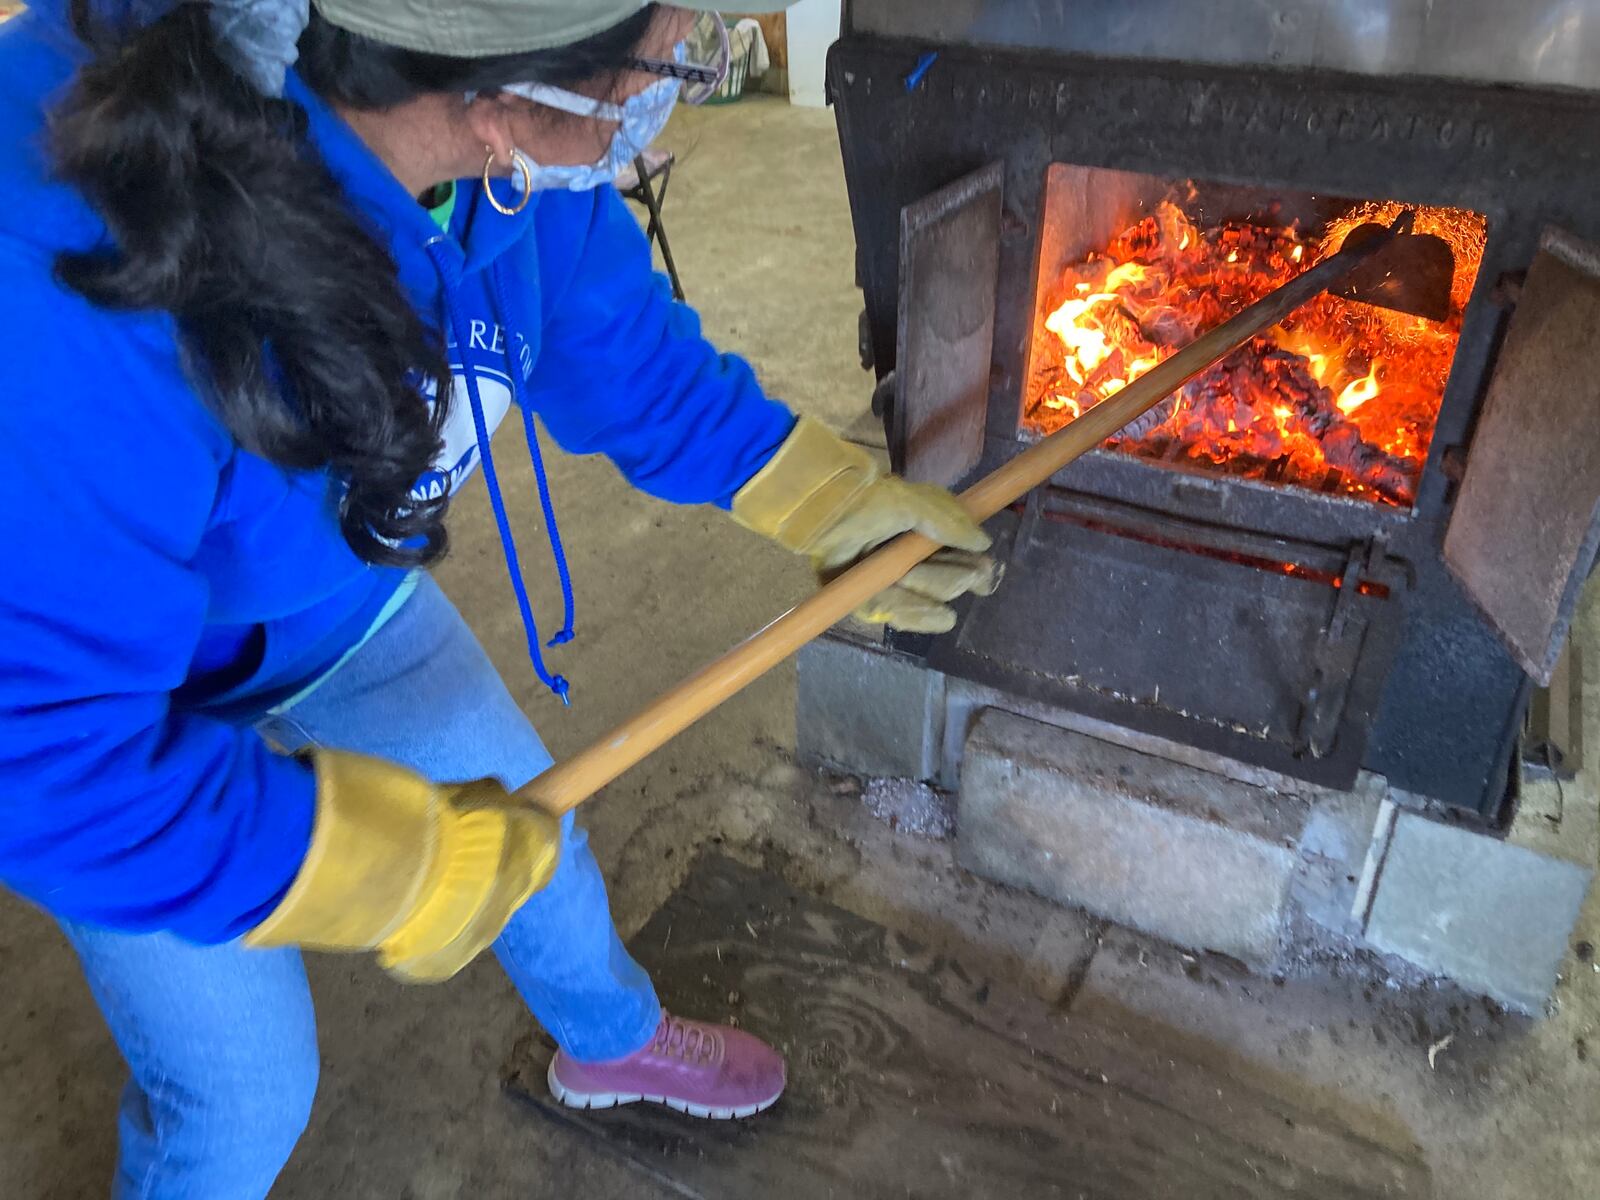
x=1340, y=397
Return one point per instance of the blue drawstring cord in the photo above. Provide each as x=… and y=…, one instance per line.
x=557, y=551
x=449, y=276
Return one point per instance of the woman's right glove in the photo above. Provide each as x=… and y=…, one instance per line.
x=820, y=496
x=426, y=875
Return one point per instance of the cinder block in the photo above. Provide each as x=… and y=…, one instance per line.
x=1186, y=855
x=868, y=711
x=1493, y=916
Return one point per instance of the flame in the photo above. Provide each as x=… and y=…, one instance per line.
x=1341, y=396
x=1060, y=403
x=1358, y=392
x=1129, y=272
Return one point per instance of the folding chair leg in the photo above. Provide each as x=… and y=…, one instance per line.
x=652, y=203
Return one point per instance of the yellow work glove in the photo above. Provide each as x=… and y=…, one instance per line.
x=827, y=499
x=426, y=875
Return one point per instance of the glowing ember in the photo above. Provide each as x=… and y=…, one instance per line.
x=1340, y=397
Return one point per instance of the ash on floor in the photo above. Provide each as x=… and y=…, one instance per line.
x=910, y=806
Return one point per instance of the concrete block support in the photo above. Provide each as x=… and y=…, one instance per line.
x=867, y=711
x=1491, y=915
x=1334, y=852
x=1184, y=854
x=1231, y=859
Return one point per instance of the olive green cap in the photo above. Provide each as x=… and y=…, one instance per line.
x=480, y=28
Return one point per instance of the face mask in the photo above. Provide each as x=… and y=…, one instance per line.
x=640, y=120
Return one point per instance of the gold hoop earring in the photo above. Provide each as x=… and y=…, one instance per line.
x=519, y=164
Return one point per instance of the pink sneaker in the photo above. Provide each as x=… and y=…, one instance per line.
x=704, y=1070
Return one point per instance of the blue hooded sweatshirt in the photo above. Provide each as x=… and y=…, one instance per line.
x=149, y=562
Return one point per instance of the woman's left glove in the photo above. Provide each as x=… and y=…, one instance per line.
x=426, y=875
x=823, y=497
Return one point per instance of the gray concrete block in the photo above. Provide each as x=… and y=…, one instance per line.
x=1333, y=856
x=1493, y=916
x=965, y=700
x=1186, y=855
x=868, y=711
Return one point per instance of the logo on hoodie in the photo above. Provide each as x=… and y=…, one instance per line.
x=460, y=453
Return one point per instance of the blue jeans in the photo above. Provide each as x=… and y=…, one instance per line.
x=221, y=1040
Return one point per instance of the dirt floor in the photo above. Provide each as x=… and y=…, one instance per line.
x=410, y=1104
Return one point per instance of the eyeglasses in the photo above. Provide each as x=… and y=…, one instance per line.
x=700, y=80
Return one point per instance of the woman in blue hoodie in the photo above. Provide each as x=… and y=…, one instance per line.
x=262, y=316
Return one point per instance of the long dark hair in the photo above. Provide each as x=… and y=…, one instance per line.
x=291, y=315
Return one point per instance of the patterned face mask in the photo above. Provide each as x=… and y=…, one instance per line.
x=639, y=119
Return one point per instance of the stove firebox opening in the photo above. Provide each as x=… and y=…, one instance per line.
x=1341, y=398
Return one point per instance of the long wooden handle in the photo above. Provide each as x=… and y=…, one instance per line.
x=575, y=779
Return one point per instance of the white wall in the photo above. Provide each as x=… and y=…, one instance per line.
x=813, y=27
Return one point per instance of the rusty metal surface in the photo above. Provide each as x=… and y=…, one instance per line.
x=950, y=257
x=1412, y=275
x=1524, y=532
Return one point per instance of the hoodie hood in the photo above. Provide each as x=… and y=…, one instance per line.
x=480, y=235
x=38, y=209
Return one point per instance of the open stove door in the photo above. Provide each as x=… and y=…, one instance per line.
x=949, y=263
x=1523, y=535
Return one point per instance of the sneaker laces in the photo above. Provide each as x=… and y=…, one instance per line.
x=688, y=1041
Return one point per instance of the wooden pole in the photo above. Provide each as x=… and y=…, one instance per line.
x=575, y=779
